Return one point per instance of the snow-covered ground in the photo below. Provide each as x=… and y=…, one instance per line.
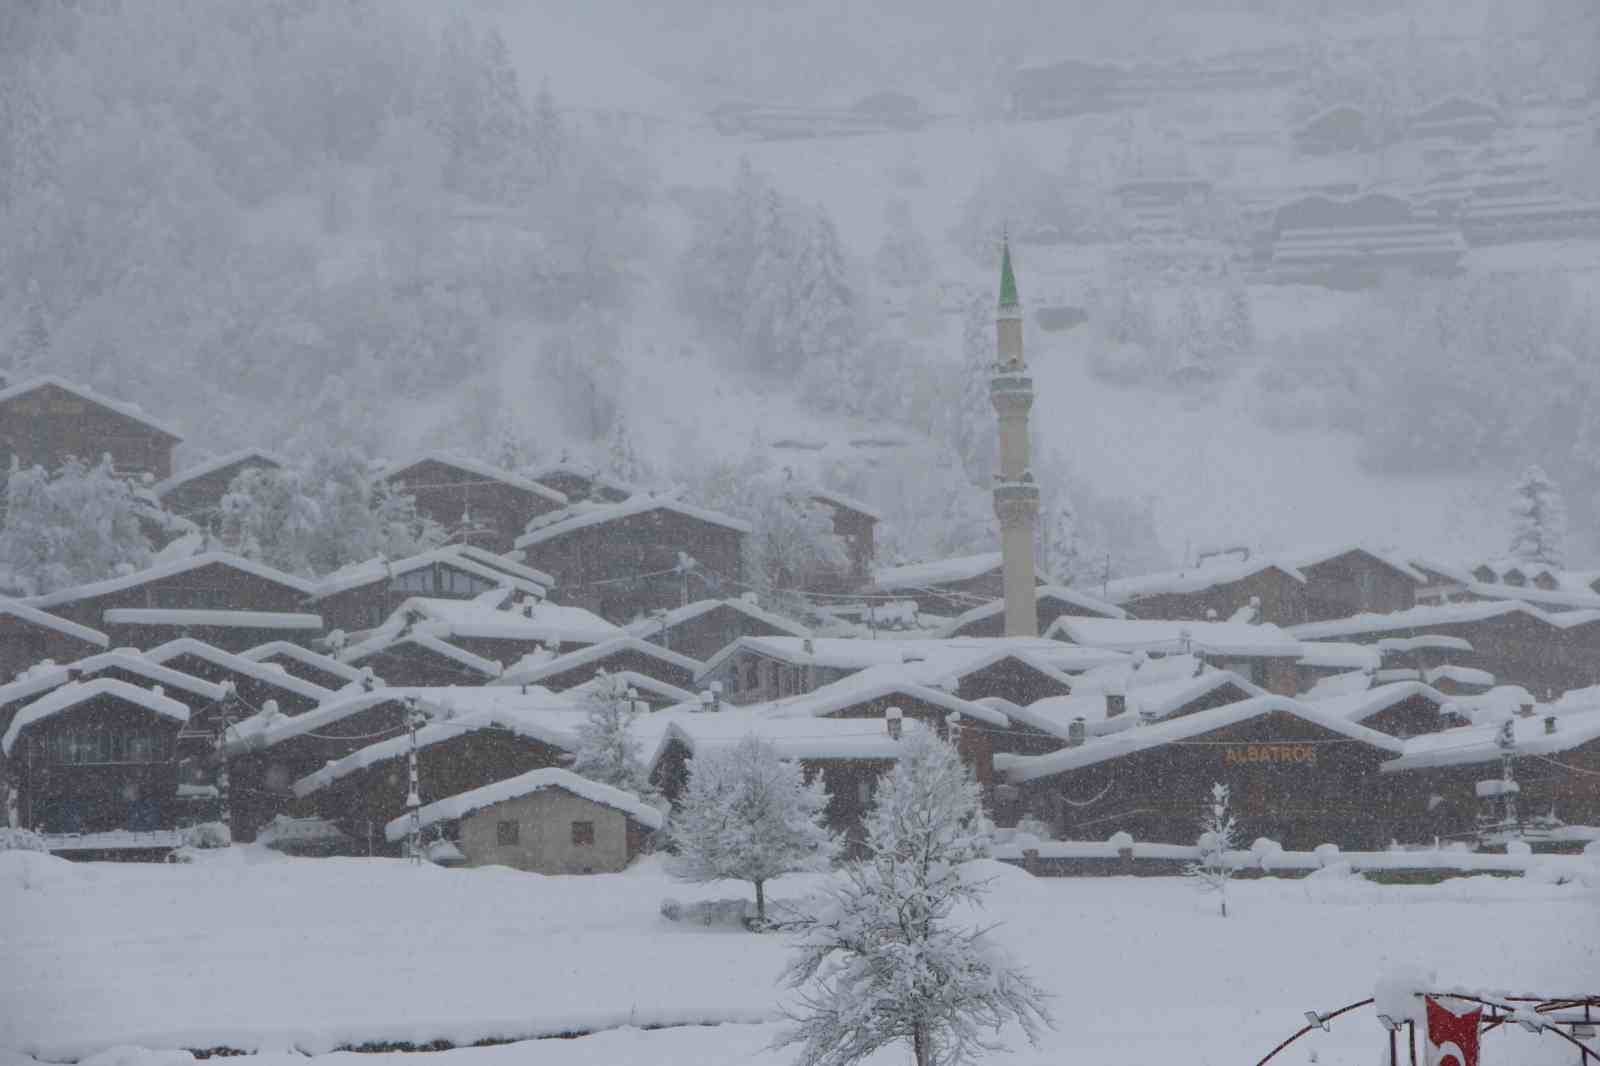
x=253, y=950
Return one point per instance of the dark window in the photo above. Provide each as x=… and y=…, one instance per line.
x=506, y=833
x=79, y=747
x=583, y=833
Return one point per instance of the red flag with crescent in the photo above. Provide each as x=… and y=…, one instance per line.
x=1452, y=1039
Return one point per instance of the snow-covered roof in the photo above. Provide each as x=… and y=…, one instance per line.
x=792, y=738
x=588, y=514
x=644, y=684
x=1480, y=743
x=947, y=671
x=457, y=807
x=131, y=660
x=874, y=683
x=122, y=407
x=183, y=565
x=379, y=569
x=935, y=573
x=544, y=726
x=1075, y=601
x=1339, y=655
x=1359, y=706
x=1187, y=727
x=591, y=474
x=78, y=692
x=1160, y=700
x=264, y=729
x=34, y=616
x=477, y=468
x=1414, y=618
x=474, y=620
x=851, y=653
x=595, y=654
x=1212, y=574
x=183, y=616
x=504, y=563
x=212, y=465
x=1425, y=642
x=1153, y=635
x=1561, y=598
x=266, y=673
x=843, y=502
x=1304, y=558
x=316, y=660
x=421, y=637
x=650, y=627
x=1460, y=675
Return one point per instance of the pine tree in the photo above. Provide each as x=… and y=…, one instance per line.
x=1060, y=541
x=607, y=751
x=623, y=461
x=903, y=258
x=1211, y=872
x=750, y=816
x=882, y=962
x=1539, y=520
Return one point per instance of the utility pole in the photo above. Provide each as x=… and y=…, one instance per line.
x=413, y=798
x=224, y=800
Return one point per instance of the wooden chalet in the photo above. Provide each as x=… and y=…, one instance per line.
x=1260, y=587
x=254, y=683
x=705, y=627
x=314, y=667
x=547, y=821
x=1354, y=243
x=578, y=483
x=29, y=635
x=217, y=597
x=97, y=756
x=1050, y=603
x=196, y=491
x=1336, y=130
x=418, y=658
x=454, y=755
x=1296, y=774
x=361, y=596
x=619, y=654
x=855, y=524
x=1262, y=654
x=1401, y=709
x=1346, y=580
x=479, y=503
x=655, y=694
x=624, y=560
x=45, y=421
x=203, y=698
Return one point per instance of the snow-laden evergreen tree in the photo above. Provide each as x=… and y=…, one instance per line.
x=1060, y=548
x=1211, y=872
x=1192, y=340
x=30, y=349
x=973, y=419
x=824, y=312
x=883, y=960
x=903, y=258
x=1236, y=326
x=748, y=815
x=77, y=525
x=1539, y=519
x=623, y=460
x=607, y=751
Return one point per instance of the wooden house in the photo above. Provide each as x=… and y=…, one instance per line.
x=200, y=696
x=45, y=421
x=705, y=627
x=1262, y=654
x=96, y=756
x=624, y=560
x=1262, y=587
x=29, y=635
x=547, y=821
x=1354, y=243
x=196, y=491
x=1050, y=603
x=361, y=596
x=1400, y=709
x=224, y=599
x=478, y=503
x=321, y=670
x=1347, y=580
x=1296, y=774
x=855, y=524
x=624, y=653
x=578, y=483
x=653, y=693
x=254, y=683
x=1097, y=709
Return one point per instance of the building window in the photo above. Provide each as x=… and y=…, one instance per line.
x=507, y=834
x=583, y=834
x=83, y=747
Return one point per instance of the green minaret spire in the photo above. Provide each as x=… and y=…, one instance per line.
x=1008, y=280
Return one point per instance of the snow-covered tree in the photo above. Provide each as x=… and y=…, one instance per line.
x=1539, y=519
x=882, y=961
x=903, y=258
x=748, y=815
x=607, y=751
x=1235, y=329
x=31, y=347
x=76, y=525
x=1060, y=548
x=1211, y=872
x=623, y=460
x=976, y=432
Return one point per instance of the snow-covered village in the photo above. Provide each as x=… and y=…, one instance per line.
x=819, y=534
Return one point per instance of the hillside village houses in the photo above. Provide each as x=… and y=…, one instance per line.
x=1347, y=694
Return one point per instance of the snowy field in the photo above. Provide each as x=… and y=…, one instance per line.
x=286, y=956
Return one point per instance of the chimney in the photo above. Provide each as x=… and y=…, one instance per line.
x=1077, y=732
x=708, y=701
x=891, y=722
x=1116, y=699
x=1549, y=723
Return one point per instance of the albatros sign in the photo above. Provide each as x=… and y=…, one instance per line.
x=1277, y=754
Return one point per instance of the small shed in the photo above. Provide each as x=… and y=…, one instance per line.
x=547, y=821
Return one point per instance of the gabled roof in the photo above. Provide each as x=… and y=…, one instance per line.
x=417, y=637
x=264, y=729
x=127, y=659
x=650, y=627
x=935, y=573
x=587, y=515
x=842, y=502
x=642, y=683
x=792, y=738
x=850, y=653
x=947, y=672
x=1195, y=579
x=1340, y=655
x=219, y=619
x=545, y=727
x=1480, y=743
x=593, y=475
x=1416, y=618
x=1187, y=727
x=542, y=622
x=1154, y=635
x=316, y=660
x=264, y=673
x=131, y=411
x=24, y=612
x=372, y=571
x=78, y=692
x=213, y=465
x=594, y=654
x=1304, y=558
x=183, y=565
x=1152, y=702
x=1359, y=706
x=1073, y=599
x=457, y=807
x=478, y=469
x=874, y=683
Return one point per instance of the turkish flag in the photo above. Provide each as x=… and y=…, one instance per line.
x=1452, y=1039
